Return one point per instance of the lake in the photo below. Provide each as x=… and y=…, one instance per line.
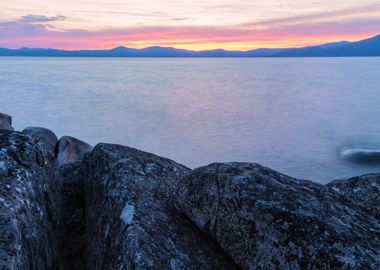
x=294, y=115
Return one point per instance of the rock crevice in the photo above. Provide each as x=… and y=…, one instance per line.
x=131, y=215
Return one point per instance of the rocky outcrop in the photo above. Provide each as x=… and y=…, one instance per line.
x=44, y=136
x=131, y=220
x=5, y=122
x=267, y=220
x=361, y=191
x=70, y=149
x=29, y=204
x=72, y=234
x=64, y=205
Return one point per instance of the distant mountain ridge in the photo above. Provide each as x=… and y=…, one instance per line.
x=366, y=47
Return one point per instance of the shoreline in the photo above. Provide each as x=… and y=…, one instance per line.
x=124, y=208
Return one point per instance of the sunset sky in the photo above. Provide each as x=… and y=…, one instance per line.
x=197, y=24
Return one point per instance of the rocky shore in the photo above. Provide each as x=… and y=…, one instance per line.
x=67, y=205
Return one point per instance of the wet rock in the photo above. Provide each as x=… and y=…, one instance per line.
x=70, y=149
x=131, y=219
x=359, y=155
x=6, y=122
x=29, y=205
x=43, y=135
x=267, y=220
x=72, y=234
x=361, y=191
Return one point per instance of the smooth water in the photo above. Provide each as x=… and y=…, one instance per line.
x=293, y=115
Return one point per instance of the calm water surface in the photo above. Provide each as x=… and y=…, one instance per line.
x=294, y=115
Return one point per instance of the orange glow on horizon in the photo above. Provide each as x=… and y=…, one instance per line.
x=196, y=45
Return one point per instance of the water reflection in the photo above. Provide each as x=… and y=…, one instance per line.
x=289, y=114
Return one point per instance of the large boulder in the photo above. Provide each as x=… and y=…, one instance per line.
x=6, y=122
x=266, y=220
x=72, y=233
x=29, y=204
x=44, y=136
x=70, y=149
x=361, y=191
x=131, y=219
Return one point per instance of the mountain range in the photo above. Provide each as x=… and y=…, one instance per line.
x=366, y=47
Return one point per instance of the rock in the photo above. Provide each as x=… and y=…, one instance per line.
x=359, y=155
x=6, y=122
x=131, y=219
x=43, y=135
x=29, y=205
x=362, y=191
x=70, y=149
x=267, y=220
x=73, y=225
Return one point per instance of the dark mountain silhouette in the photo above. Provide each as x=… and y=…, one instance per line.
x=334, y=44
x=366, y=47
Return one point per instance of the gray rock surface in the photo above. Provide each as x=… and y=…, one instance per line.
x=267, y=220
x=131, y=219
x=64, y=207
x=5, y=122
x=29, y=204
x=70, y=149
x=43, y=135
x=72, y=233
x=361, y=191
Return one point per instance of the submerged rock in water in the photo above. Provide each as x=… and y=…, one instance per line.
x=29, y=205
x=70, y=149
x=44, y=136
x=361, y=155
x=267, y=220
x=5, y=122
x=131, y=219
x=362, y=191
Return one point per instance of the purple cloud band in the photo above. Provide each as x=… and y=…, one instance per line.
x=37, y=31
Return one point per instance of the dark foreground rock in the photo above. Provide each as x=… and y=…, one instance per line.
x=70, y=149
x=266, y=220
x=64, y=207
x=29, y=204
x=361, y=191
x=131, y=219
x=72, y=234
x=44, y=136
x=5, y=122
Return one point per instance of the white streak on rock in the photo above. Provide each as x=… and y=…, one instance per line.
x=127, y=214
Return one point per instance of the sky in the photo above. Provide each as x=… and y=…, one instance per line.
x=195, y=25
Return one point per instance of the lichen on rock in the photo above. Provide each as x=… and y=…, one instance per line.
x=29, y=205
x=267, y=220
x=131, y=219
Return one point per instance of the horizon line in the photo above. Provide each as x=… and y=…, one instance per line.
x=178, y=48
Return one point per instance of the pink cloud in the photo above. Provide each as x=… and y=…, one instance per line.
x=35, y=31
